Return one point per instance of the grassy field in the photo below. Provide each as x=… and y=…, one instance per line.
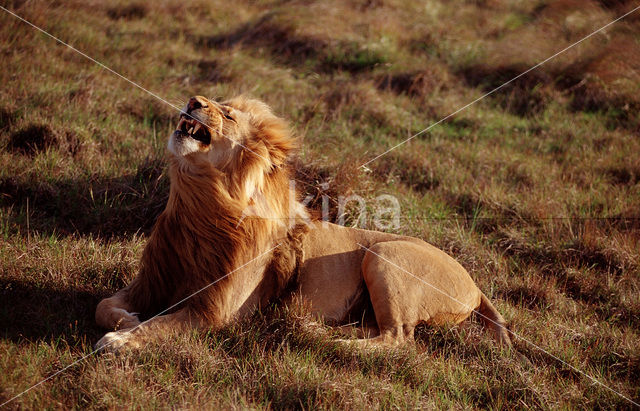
x=534, y=189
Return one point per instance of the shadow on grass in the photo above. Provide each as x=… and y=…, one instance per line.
x=108, y=207
x=32, y=312
x=287, y=46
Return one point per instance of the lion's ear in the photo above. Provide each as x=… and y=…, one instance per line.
x=277, y=138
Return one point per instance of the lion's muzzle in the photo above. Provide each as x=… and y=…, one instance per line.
x=189, y=126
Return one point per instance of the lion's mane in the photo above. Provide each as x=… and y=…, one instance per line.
x=202, y=234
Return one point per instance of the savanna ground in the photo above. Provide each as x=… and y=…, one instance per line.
x=535, y=190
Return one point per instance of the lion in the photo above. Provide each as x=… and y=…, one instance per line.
x=208, y=262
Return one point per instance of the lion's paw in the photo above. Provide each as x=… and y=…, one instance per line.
x=127, y=319
x=116, y=341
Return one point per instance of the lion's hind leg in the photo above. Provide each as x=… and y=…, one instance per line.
x=411, y=283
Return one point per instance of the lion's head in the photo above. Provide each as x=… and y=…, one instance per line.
x=240, y=137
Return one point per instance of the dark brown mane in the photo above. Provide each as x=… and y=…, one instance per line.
x=283, y=269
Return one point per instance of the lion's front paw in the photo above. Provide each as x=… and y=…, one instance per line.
x=127, y=319
x=117, y=341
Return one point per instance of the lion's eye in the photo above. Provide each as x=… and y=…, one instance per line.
x=228, y=117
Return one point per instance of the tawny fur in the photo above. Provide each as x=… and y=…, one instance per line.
x=206, y=235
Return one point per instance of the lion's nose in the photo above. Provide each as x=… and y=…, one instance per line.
x=193, y=104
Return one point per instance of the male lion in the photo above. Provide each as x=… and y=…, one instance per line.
x=211, y=262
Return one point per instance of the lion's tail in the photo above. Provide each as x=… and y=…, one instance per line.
x=494, y=321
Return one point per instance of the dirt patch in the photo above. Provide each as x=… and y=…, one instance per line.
x=529, y=297
x=526, y=96
x=623, y=175
x=32, y=139
x=129, y=12
x=7, y=117
x=37, y=138
x=416, y=84
x=615, y=4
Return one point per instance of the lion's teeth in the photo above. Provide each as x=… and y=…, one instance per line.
x=196, y=128
x=191, y=130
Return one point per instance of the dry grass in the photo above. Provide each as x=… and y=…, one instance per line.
x=535, y=190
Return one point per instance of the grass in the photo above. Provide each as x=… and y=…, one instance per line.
x=535, y=190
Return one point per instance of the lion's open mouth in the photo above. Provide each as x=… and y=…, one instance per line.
x=194, y=129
